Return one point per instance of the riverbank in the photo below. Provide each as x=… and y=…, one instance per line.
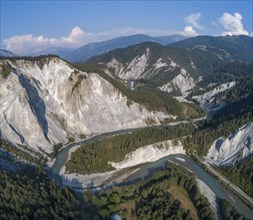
x=124, y=169
x=210, y=195
x=142, y=171
x=139, y=172
x=213, y=183
x=226, y=182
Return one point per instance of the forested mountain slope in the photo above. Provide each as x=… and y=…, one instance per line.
x=178, y=67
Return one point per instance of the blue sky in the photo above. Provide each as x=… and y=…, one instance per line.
x=36, y=25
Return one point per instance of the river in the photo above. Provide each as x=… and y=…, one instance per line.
x=145, y=170
x=62, y=155
x=201, y=174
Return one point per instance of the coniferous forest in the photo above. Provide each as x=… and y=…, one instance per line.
x=29, y=194
x=126, y=110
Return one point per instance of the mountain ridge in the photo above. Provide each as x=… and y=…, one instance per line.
x=6, y=53
x=159, y=65
x=52, y=114
x=85, y=52
x=239, y=47
x=59, y=51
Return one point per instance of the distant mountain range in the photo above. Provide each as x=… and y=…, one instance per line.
x=85, y=52
x=6, y=53
x=92, y=49
x=237, y=48
x=60, y=51
x=178, y=66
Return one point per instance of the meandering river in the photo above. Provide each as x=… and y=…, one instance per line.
x=145, y=169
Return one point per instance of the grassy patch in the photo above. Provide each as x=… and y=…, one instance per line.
x=192, y=110
x=181, y=194
x=129, y=208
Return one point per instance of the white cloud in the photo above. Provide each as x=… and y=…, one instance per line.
x=29, y=44
x=232, y=24
x=189, y=32
x=75, y=34
x=193, y=20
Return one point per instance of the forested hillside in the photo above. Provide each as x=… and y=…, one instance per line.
x=29, y=194
x=94, y=157
x=126, y=110
x=237, y=112
x=154, y=198
x=241, y=174
x=226, y=73
x=227, y=211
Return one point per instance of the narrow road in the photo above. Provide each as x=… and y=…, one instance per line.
x=226, y=181
x=192, y=122
x=230, y=184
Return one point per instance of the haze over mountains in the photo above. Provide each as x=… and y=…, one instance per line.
x=83, y=53
x=235, y=46
x=60, y=51
x=6, y=53
x=87, y=51
x=196, y=94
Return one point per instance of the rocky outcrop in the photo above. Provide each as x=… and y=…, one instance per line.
x=45, y=101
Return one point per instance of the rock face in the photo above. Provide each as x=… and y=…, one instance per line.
x=207, y=100
x=182, y=82
x=125, y=168
x=236, y=147
x=150, y=153
x=44, y=101
x=168, y=75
